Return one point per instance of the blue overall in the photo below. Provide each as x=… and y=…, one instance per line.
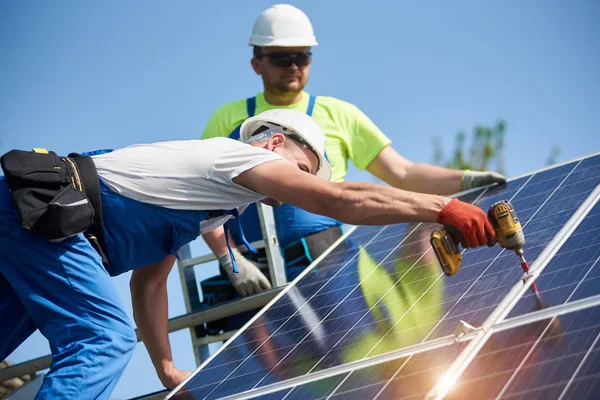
x=292, y=223
x=62, y=289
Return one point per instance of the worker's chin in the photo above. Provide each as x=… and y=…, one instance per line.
x=271, y=202
x=291, y=87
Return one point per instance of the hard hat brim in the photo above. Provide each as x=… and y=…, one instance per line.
x=272, y=42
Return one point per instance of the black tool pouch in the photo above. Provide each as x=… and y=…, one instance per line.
x=49, y=192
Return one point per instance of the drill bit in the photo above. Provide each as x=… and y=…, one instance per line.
x=525, y=266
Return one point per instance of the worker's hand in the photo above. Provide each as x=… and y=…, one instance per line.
x=249, y=280
x=171, y=376
x=473, y=179
x=470, y=222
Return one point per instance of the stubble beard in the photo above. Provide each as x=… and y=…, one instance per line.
x=286, y=89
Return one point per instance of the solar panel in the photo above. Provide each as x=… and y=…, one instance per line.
x=573, y=273
x=405, y=377
x=550, y=359
x=381, y=291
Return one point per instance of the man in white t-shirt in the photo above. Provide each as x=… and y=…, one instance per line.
x=156, y=198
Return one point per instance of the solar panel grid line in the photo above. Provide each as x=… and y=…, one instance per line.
x=261, y=312
x=351, y=366
x=587, y=354
x=268, y=306
x=530, y=352
x=544, y=201
x=474, y=283
x=559, y=310
x=536, y=316
x=339, y=269
x=557, y=165
x=281, y=295
x=389, y=330
x=582, y=279
x=339, y=303
x=540, y=263
x=371, y=308
x=381, y=298
x=502, y=310
x=550, y=367
x=295, y=313
x=378, y=301
x=526, y=358
x=552, y=363
x=573, y=270
x=548, y=327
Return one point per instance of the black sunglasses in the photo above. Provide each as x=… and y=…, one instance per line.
x=301, y=59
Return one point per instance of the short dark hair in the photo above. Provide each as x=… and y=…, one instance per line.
x=256, y=51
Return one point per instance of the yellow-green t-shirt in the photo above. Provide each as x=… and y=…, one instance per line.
x=350, y=134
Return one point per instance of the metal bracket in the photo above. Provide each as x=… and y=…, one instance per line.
x=462, y=329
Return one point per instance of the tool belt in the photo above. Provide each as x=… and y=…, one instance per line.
x=312, y=246
x=56, y=197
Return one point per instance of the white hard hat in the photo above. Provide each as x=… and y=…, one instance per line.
x=283, y=25
x=294, y=122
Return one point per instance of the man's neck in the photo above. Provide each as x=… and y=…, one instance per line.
x=278, y=99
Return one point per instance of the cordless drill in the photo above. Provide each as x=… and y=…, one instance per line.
x=509, y=235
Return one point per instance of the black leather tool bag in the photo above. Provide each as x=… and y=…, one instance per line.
x=56, y=197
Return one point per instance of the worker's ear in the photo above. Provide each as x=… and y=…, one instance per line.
x=255, y=63
x=276, y=141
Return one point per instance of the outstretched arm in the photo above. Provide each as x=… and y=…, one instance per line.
x=361, y=203
x=397, y=171
x=148, y=287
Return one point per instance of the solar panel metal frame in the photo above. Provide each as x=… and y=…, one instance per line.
x=495, y=322
x=502, y=310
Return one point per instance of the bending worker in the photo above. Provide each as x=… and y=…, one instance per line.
x=68, y=223
x=282, y=39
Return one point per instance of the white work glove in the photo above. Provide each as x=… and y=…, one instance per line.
x=249, y=280
x=474, y=179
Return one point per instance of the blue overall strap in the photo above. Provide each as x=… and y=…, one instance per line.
x=311, y=105
x=96, y=152
x=235, y=213
x=251, y=109
x=251, y=106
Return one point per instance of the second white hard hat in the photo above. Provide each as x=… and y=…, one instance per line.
x=294, y=122
x=283, y=25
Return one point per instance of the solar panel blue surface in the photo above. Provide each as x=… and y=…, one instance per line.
x=573, y=273
x=537, y=361
x=382, y=290
x=404, y=378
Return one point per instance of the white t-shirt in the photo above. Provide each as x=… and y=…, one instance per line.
x=184, y=174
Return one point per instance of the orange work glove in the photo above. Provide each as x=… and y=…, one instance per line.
x=468, y=221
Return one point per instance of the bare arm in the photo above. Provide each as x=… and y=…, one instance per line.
x=215, y=240
x=351, y=202
x=148, y=287
x=397, y=171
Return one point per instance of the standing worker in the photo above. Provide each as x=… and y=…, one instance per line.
x=282, y=38
x=67, y=224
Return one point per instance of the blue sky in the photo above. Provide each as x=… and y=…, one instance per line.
x=77, y=76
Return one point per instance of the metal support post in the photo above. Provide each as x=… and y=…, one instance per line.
x=274, y=257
